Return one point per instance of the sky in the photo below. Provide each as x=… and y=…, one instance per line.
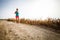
x=30, y=9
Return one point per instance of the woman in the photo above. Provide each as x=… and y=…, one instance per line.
x=17, y=15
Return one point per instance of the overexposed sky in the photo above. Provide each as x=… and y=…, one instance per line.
x=32, y=9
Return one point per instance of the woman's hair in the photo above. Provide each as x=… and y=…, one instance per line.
x=16, y=8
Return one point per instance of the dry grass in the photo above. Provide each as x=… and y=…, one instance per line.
x=52, y=23
x=15, y=31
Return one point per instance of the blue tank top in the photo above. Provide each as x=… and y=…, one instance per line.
x=17, y=14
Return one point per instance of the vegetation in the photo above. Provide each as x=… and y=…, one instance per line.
x=51, y=23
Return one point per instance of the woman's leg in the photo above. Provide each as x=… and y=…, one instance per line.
x=18, y=18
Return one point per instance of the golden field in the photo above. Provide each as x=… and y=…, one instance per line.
x=28, y=29
x=51, y=23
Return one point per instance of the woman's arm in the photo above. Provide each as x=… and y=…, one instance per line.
x=15, y=12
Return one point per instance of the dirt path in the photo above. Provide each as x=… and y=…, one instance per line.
x=18, y=31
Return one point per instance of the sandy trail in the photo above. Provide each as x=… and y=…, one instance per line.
x=18, y=31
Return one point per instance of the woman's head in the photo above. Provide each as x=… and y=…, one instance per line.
x=16, y=9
